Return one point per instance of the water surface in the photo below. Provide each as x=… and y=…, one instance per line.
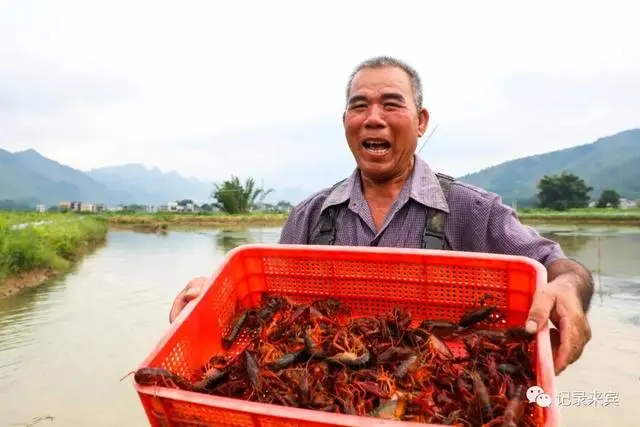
x=65, y=345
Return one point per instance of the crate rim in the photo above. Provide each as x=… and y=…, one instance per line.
x=265, y=410
x=394, y=251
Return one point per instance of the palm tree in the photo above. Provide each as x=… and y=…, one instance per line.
x=232, y=197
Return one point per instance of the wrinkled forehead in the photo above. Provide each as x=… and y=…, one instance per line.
x=376, y=83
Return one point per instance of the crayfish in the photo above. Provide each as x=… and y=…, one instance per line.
x=316, y=355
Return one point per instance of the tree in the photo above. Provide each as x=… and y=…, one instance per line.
x=185, y=202
x=233, y=197
x=609, y=198
x=562, y=191
x=284, y=206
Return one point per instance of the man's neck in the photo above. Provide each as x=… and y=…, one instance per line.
x=386, y=191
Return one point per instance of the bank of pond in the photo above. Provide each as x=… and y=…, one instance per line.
x=163, y=221
x=36, y=246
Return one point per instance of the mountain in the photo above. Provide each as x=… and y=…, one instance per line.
x=609, y=162
x=27, y=175
x=152, y=186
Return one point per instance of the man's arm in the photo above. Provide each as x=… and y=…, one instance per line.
x=567, y=296
x=507, y=235
x=296, y=229
x=293, y=232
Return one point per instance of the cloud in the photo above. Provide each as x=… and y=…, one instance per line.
x=257, y=89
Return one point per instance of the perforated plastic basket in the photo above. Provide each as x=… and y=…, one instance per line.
x=432, y=284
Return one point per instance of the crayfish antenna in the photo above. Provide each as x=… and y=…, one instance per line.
x=132, y=372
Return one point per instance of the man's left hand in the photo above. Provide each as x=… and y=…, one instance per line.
x=559, y=302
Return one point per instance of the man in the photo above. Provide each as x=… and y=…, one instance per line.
x=393, y=199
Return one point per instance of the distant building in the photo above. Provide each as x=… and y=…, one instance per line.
x=41, y=208
x=628, y=204
x=87, y=207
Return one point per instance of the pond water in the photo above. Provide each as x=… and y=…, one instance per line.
x=65, y=345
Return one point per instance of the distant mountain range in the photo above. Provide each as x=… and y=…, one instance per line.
x=151, y=186
x=28, y=177
x=609, y=162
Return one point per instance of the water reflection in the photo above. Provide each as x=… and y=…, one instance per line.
x=571, y=243
x=230, y=239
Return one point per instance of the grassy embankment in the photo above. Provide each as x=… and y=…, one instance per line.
x=30, y=255
x=164, y=221
x=582, y=216
x=159, y=222
x=49, y=246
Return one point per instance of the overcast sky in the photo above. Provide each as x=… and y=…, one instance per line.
x=257, y=88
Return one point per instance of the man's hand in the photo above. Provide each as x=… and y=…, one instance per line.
x=559, y=302
x=189, y=293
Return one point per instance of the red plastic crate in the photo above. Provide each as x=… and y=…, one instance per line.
x=432, y=284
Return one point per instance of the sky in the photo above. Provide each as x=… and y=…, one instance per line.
x=211, y=89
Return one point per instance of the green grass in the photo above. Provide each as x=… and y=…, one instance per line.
x=53, y=245
x=587, y=215
x=166, y=219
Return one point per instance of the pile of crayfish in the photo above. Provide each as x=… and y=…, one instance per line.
x=317, y=356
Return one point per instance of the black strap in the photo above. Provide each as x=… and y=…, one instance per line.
x=325, y=233
x=433, y=235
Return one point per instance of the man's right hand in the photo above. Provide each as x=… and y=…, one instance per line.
x=190, y=292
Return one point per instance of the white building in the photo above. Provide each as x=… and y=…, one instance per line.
x=87, y=207
x=628, y=204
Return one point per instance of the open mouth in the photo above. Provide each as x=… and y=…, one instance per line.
x=376, y=146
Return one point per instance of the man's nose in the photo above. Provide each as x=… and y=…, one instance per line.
x=374, y=119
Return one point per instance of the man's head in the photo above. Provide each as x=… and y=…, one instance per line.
x=384, y=117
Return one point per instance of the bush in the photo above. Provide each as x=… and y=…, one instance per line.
x=54, y=244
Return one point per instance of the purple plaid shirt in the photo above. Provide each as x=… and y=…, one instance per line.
x=476, y=220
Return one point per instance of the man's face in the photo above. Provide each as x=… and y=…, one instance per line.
x=381, y=123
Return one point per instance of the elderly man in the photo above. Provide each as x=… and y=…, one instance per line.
x=393, y=199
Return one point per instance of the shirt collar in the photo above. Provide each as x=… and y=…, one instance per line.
x=425, y=188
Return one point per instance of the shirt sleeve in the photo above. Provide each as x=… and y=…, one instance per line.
x=295, y=229
x=507, y=235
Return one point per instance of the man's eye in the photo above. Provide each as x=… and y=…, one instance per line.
x=358, y=106
x=391, y=105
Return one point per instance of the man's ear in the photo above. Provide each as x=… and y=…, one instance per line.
x=423, y=121
x=344, y=114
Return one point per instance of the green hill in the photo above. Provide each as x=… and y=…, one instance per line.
x=27, y=175
x=609, y=162
x=28, y=178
